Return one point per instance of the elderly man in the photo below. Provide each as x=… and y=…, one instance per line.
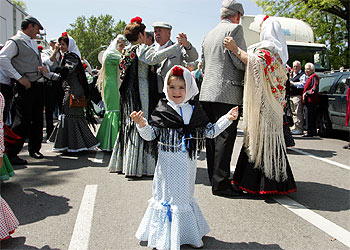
x=149, y=38
x=222, y=89
x=20, y=59
x=162, y=33
x=297, y=83
x=310, y=99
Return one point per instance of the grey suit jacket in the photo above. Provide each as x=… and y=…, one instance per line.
x=223, y=71
x=177, y=58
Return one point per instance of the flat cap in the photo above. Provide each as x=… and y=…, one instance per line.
x=32, y=19
x=162, y=25
x=233, y=5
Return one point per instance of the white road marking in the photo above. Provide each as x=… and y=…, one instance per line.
x=321, y=159
x=99, y=157
x=315, y=219
x=81, y=232
x=315, y=157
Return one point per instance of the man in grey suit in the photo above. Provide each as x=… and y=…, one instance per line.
x=222, y=89
x=188, y=53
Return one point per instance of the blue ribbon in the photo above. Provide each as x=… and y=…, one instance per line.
x=188, y=141
x=168, y=213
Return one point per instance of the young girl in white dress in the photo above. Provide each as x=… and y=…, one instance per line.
x=176, y=130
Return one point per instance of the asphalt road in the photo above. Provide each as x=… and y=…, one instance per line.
x=73, y=202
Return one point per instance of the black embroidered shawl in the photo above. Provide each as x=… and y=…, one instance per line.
x=165, y=118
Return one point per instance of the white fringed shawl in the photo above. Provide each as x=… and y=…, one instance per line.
x=263, y=116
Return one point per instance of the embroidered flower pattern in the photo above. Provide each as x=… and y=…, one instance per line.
x=127, y=58
x=275, y=74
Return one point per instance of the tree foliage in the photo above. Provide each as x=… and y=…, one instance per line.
x=94, y=34
x=328, y=18
x=20, y=3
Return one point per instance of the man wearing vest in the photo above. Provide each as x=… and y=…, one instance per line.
x=20, y=59
x=297, y=83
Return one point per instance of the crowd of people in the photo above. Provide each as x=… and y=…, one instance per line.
x=158, y=114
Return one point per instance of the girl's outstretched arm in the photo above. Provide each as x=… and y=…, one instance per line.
x=137, y=117
x=232, y=114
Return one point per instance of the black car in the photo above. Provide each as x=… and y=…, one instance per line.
x=332, y=106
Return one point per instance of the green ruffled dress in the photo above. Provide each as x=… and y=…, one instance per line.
x=6, y=171
x=109, y=127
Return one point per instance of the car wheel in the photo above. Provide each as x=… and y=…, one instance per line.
x=323, y=124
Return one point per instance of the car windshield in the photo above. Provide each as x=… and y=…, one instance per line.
x=316, y=55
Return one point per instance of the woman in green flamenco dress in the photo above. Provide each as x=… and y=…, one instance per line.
x=6, y=170
x=108, y=83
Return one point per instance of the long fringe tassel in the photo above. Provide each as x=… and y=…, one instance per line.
x=263, y=121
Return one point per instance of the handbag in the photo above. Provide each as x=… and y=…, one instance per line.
x=77, y=102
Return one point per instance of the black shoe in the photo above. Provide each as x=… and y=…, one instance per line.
x=228, y=193
x=15, y=160
x=36, y=155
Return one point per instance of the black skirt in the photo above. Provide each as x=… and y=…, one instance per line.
x=252, y=180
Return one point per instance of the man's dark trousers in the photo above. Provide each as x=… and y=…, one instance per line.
x=219, y=150
x=51, y=93
x=28, y=121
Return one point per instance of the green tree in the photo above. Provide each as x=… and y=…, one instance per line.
x=328, y=18
x=94, y=34
x=20, y=3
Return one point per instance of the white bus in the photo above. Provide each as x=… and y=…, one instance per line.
x=300, y=41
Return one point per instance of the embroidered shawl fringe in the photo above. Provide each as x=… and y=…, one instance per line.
x=170, y=140
x=130, y=101
x=263, y=121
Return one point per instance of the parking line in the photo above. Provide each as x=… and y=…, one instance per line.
x=315, y=219
x=81, y=232
x=99, y=157
x=321, y=159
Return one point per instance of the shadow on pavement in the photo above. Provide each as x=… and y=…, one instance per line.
x=202, y=176
x=31, y=205
x=315, y=152
x=323, y=197
x=18, y=243
x=68, y=161
x=212, y=243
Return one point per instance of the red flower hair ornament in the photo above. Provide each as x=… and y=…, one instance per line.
x=177, y=71
x=64, y=34
x=136, y=20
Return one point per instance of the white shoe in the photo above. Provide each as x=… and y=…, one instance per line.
x=297, y=132
x=201, y=246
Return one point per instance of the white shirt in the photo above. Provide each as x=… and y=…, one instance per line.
x=4, y=79
x=302, y=81
x=186, y=108
x=10, y=50
x=157, y=47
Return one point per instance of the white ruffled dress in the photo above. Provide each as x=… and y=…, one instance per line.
x=173, y=217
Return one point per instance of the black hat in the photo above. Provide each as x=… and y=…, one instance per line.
x=32, y=19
